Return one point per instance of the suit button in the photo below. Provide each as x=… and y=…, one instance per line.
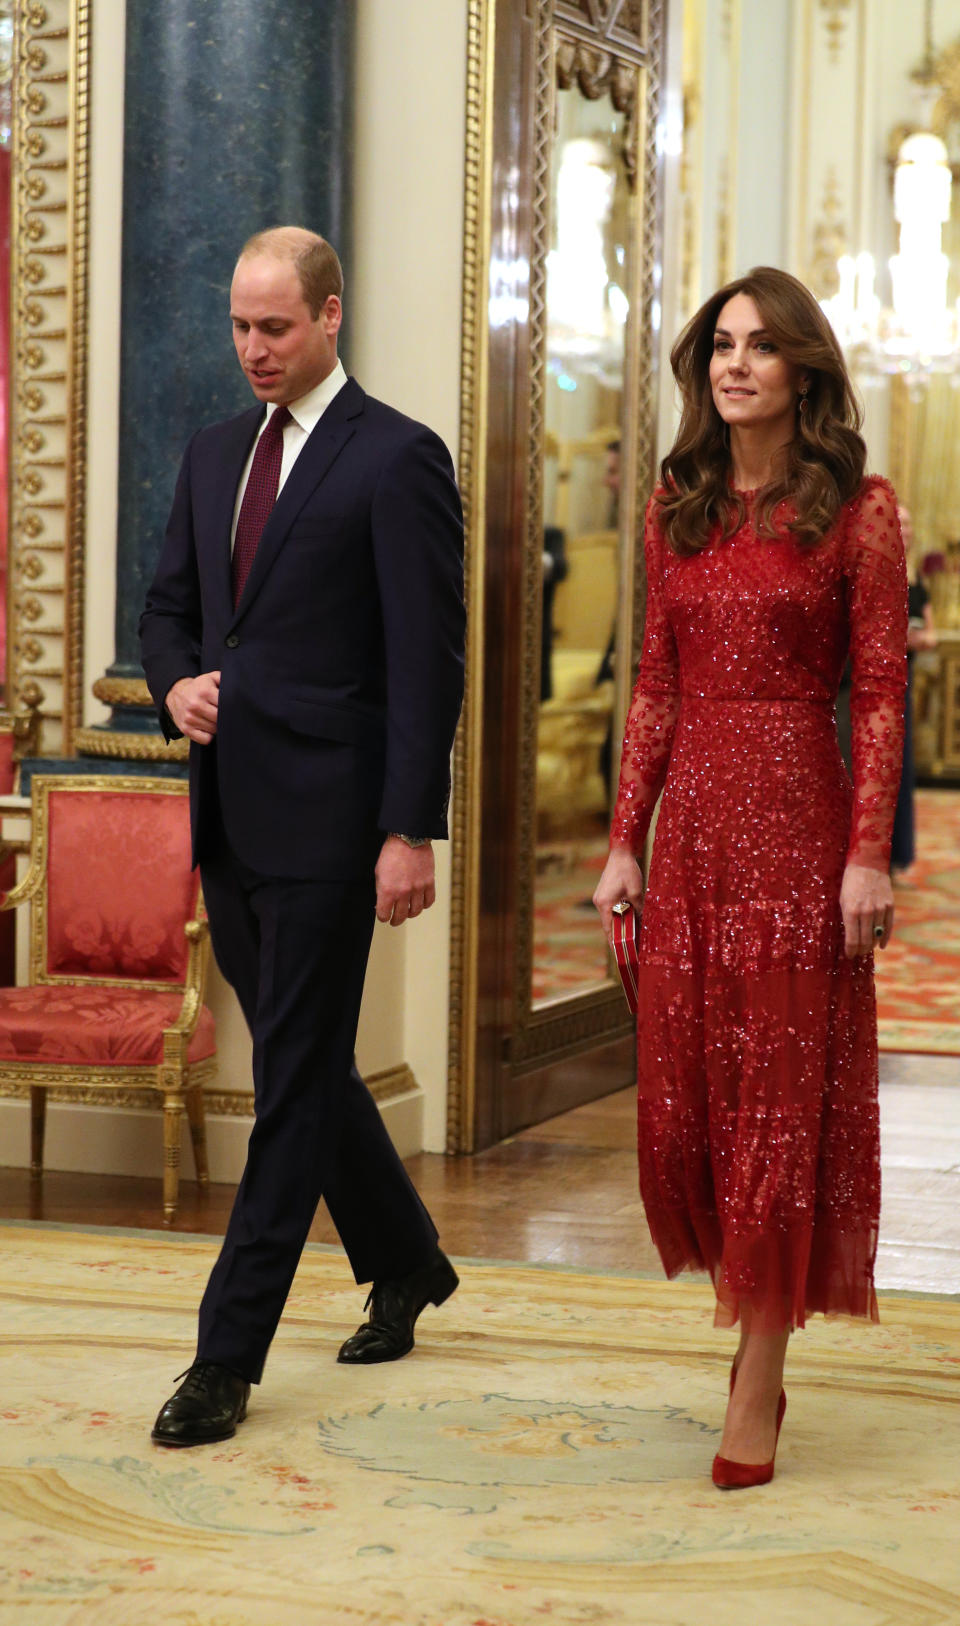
x=232, y=642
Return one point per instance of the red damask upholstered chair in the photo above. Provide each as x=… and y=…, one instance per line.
x=118, y=958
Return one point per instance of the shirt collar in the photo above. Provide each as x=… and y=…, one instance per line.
x=309, y=409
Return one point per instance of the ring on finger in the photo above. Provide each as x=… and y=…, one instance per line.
x=878, y=930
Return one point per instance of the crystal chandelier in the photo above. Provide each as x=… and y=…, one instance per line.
x=919, y=334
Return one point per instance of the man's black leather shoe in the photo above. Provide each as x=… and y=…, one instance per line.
x=394, y=1307
x=207, y=1407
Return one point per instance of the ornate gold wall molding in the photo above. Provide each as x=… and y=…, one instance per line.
x=474, y=382
x=829, y=240
x=623, y=23
x=835, y=22
x=48, y=354
x=599, y=73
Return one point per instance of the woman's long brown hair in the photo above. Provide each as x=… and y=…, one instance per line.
x=821, y=467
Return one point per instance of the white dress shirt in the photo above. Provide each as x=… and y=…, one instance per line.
x=305, y=414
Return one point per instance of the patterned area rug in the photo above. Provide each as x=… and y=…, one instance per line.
x=918, y=976
x=542, y=1457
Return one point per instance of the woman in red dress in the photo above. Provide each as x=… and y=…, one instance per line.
x=768, y=557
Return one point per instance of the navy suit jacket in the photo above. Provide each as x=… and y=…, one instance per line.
x=342, y=664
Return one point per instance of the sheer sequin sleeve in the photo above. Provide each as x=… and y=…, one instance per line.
x=876, y=576
x=652, y=718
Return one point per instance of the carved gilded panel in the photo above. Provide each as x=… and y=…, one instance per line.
x=47, y=387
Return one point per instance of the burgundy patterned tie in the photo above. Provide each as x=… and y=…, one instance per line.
x=259, y=497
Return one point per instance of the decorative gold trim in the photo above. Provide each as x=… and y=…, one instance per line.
x=388, y=1085
x=114, y=691
x=25, y=728
x=48, y=354
x=100, y=1090
x=474, y=398
x=391, y=1082
x=829, y=239
x=622, y=24
x=545, y=90
x=76, y=467
x=103, y=742
x=598, y=73
x=835, y=24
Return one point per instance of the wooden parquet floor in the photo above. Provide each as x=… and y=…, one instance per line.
x=565, y=1192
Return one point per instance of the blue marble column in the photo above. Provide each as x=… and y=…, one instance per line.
x=238, y=116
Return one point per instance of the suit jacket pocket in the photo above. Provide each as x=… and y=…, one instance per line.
x=328, y=722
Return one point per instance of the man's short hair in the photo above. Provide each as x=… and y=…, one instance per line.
x=316, y=262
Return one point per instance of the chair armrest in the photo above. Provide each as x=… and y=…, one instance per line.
x=31, y=883
x=197, y=933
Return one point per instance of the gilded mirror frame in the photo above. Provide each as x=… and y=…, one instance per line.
x=608, y=48
x=48, y=263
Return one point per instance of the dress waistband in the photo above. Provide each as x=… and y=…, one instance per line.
x=821, y=703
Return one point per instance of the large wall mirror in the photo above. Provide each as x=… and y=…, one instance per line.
x=43, y=233
x=587, y=311
x=558, y=412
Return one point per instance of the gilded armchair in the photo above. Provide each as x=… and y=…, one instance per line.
x=117, y=964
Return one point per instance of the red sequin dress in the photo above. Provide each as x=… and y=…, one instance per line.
x=757, y=1039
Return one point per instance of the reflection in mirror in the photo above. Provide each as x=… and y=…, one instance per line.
x=6, y=139
x=587, y=308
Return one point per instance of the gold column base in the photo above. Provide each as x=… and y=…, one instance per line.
x=126, y=744
x=114, y=691
x=130, y=747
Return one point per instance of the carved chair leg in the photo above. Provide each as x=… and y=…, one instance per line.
x=38, y=1124
x=198, y=1133
x=172, y=1113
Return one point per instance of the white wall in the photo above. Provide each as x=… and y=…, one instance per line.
x=762, y=174
x=405, y=348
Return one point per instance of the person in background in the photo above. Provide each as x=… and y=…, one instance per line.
x=555, y=569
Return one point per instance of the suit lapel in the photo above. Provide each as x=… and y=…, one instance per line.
x=317, y=456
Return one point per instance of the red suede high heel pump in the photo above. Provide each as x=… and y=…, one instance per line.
x=729, y=1475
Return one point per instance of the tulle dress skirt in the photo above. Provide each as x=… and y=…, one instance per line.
x=758, y=1124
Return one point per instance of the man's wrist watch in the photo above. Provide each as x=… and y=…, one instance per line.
x=410, y=841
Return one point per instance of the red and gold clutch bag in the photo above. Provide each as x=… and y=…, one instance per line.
x=625, y=949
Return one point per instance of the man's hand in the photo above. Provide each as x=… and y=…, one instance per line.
x=405, y=885
x=192, y=703
x=866, y=904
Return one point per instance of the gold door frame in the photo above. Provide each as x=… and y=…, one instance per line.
x=48, y=274
x=604, y=45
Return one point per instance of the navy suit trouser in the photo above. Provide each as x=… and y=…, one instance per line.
x=295, y=951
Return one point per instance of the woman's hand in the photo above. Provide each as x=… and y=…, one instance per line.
x=622, y=878
x=866, y=904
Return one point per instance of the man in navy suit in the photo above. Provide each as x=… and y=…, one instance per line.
x=305, y=631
